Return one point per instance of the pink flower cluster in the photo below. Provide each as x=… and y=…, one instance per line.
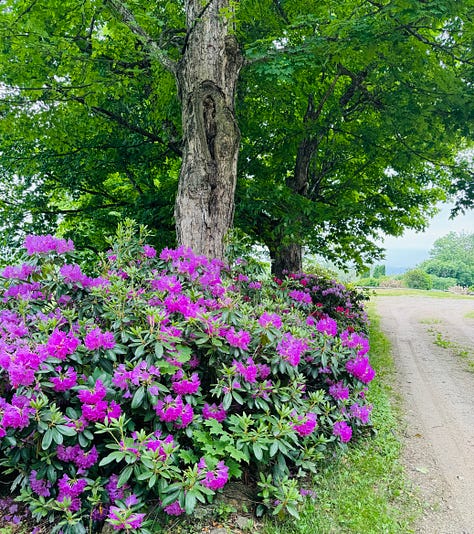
x=94, y=407
x=328, y=326
x=182, y=386
x=61, y=344
x=306, y=424
x=361, y=369
x=75, y=454
x=291, y=349
x=240, y=339
x=141, y=374
x=343, y=430
x=300, y=296
x=71, y=489
x=15, y=414
x=173, y=409
x=40, y=486
x=249, y=371
x=360, y=412
x=215, y=479
x=43, y=244
x=355, y=341
x=212, y=411
x=122, y=517
x=66, y=380
x=339, y=391
x=21, y=272
x=270, y=319
x=96, y=339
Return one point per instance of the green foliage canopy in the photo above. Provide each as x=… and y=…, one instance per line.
x=351, y=116
x=452, y=256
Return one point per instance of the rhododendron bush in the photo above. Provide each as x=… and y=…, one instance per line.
x=164, y=376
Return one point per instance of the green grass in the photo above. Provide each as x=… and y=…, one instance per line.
x=470, y=315
x=457, y=349
x=433, y=293
x=364, y=491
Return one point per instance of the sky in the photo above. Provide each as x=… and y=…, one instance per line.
x=412, y=248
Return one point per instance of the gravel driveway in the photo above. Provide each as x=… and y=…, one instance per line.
x=433, y=343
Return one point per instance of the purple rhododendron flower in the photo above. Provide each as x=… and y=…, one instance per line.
x=270, y=319
x=249, y=372
x=149, y=251
x=186, y=387
x=182, y=304
x=92, y=396
x=240, y=339
x=339, y=391
x=115, y=493
x=71, y=488
x=174, y=509
x=212, y=411
x=306, y=424
x=39, y=486
x=169, y=409
x=124, y=519
x=61, y=344
x=22, y=368
x=167, y=283
x=95, y=339
x=216, y=479
x=17, y=414
x=25, y=291
x=361, y=412
x=157, y=445
x=72, y=274
x=75, y=454
x=343, y=430
x=42, y=244
x=187, y=415
x=66, y=380
x=355, y=341
x=361, y=369
x=291, y=348
x=328, y=326
x=18, y=272
x=300, y=296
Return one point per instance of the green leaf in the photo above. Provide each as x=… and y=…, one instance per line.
x=47, y=439
x=258, y=451
x=66, y=430
x=291, y=509
x=138, y=397
x=139, y=351
x=116, y=455
x=274, y=448
x=124, y=476
x=190, y=502
x=57, y=436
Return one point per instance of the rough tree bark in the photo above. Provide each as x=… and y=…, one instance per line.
x=207, y=76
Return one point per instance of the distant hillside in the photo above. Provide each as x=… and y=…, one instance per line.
x=398, y=261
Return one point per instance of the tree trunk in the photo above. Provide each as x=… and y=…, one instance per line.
x=289, y=258
x=286, y=259
x=207, y=77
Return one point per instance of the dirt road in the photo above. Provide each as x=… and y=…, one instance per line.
x=432, y=342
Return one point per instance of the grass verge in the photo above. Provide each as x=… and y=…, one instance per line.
x=405, y=292
x=365, y=490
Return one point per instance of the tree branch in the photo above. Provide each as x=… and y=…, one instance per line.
x=123, y=122
x=126, y=16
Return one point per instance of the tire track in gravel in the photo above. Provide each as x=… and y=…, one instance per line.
x=438, y=396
